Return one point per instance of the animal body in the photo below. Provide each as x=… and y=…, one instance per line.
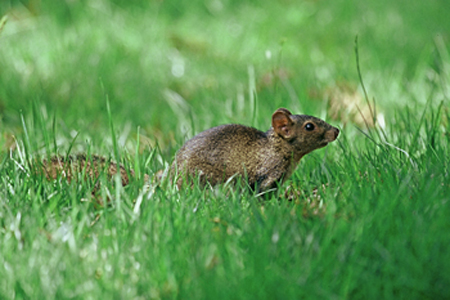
x=264, y=159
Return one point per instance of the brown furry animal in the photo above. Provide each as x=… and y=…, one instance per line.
x=264, y=159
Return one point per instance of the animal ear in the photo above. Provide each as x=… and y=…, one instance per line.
x=282, y=123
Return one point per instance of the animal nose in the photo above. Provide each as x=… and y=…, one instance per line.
x=336, y=133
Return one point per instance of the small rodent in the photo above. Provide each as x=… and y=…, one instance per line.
x=265, y=159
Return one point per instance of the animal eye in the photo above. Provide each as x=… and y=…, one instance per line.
x=309, y=126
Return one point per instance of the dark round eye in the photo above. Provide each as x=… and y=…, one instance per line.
x=309, y=126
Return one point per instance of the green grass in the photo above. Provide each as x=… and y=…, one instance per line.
x=133, y=81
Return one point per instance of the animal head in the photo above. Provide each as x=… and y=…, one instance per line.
x=305, y=133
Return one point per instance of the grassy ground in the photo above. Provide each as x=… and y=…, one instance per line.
x=372, y=217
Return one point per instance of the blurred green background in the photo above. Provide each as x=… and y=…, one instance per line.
x=175, y=68
x=370, y=216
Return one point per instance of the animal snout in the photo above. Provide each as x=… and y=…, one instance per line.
x=332, y=134
x=336, y=132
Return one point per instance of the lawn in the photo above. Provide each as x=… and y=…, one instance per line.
x=368, y=217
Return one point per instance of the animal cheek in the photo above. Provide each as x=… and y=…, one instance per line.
x=298, y=143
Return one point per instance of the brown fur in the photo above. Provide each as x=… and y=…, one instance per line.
x=265, y=159
x=70, y=167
